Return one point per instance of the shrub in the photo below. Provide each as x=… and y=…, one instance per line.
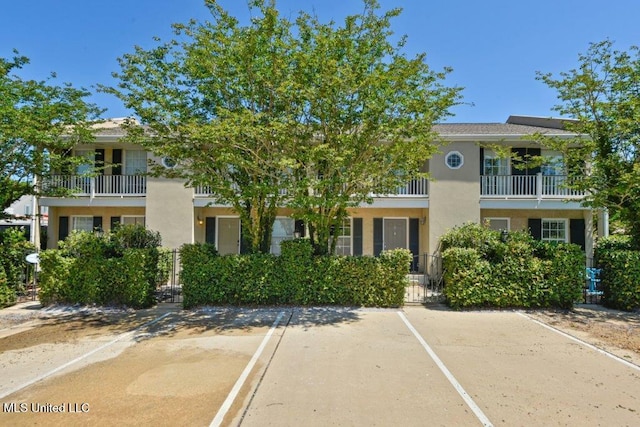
x=104, y=269
x=294, y=277
x=7, y=295
x=620, y=274
x=13, y=249
x=483, y=271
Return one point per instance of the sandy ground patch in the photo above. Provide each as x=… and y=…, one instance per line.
x=614, y=331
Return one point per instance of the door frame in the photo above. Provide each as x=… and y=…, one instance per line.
x=406, y=237
x=218, y=217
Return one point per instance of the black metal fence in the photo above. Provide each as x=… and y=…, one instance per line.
x=169, y=288
x=425, y=280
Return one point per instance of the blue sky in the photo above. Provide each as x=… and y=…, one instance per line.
x=495, y=46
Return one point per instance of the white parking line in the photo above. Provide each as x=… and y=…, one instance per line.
x=465, y=396
x=84, y=356
x=226, y=405
x=586, y=344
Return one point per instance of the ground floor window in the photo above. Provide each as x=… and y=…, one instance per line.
x=554, y=230
x=343, y=238
x=133, y=220
x=498, y=224
x=283, y=229
x=82, y=223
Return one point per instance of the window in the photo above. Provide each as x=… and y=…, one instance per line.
x=168, y=162
x=498, y=224
x=343, y=238
x=494, y=164
x=82, y=223
x=554, y=230
x=132, y=220
x=553, y=163
x=283, y=229
x=135, y=162
x=87, y=164
x=454, y=160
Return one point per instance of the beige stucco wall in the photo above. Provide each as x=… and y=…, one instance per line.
x=368, y=214
x=105, y=212
x=170, y=211
x=454, y=194
x=519, y=220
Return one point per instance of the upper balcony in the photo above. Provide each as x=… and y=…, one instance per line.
x=414, y=188
x=528, y=187
x=100, y=186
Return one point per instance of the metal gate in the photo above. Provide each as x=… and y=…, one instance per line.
x=169, y=288
x=425, y=283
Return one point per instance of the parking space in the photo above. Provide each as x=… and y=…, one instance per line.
x=316, y=366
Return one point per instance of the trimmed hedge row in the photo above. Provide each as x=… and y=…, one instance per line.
x=118, y=269
x=482, y=271
x=14, y=246
x=296, y=277
x=620, y=273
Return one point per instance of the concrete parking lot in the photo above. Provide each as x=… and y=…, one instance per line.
x=316, y=366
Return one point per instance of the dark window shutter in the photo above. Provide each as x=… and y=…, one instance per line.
x=377, y=236
x=116, y=160
x=534, y=152
x=99, y=160
x=114, y=222
x=577, y=232
x=243, y=246
x=63, y=227
x=299, y=227
x=516, y=165
x=97, y=223
x=357, y=236
x=535, y=228
x=481, y=161
x=210, y=230
x=414, y=241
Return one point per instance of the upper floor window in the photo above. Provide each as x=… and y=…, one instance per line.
x=135, y=162
x=454, y=159
x=495, y=165
x=553, y=163
x=88, y=161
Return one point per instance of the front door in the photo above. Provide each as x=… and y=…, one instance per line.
x=228, y=236
x=395, y=233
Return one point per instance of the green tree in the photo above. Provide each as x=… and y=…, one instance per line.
x=368, y=112
x=219, y=103
x=39, y=124
x=286, y=113
x=603, y=96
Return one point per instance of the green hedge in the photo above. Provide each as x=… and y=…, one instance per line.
x=482, y=271
x=620, y=273
x=13, y=249
x=296, y=277
x=7, y=294
x=119, y=268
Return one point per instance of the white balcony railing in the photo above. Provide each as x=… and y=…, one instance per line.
x=415, y=187
x=101, y=185
x=539, y=186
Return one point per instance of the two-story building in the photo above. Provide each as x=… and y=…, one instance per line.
x=470, y=183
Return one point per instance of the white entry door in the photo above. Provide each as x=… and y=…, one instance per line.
x=228, y=236
x=395, y=233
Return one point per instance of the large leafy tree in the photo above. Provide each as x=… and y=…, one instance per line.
x=603, y=96
x=39, y=123
x=286, y=113
x=218, y=101
x=368, y=112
